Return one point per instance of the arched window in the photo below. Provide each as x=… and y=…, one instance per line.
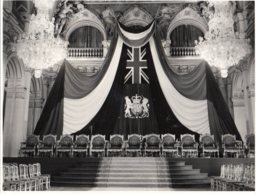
x=86, y=37
x=185, y=36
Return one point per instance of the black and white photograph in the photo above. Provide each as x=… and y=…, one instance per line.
x=126, y=95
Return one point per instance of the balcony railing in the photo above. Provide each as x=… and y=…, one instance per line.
x=85, y=52
x=183, y=51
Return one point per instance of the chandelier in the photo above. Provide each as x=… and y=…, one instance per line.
x=220, y=47
x=38, y=48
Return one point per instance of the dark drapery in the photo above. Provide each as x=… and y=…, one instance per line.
x=86, y=37
x=78, y=85
x=51, y=119
x=185, y=36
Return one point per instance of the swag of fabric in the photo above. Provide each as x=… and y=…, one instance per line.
x=194, y=99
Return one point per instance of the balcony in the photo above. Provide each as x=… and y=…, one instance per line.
x=85, y=52
x=182, y=51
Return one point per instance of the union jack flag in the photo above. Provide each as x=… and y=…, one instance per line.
x=136, y=65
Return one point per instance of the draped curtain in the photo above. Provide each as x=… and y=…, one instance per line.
x=185, y=36
x=86, y=37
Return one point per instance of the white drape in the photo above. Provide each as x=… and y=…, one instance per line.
x=79, y=112
x=136, y=36
x=193, y=114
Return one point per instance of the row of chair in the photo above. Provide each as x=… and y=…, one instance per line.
x=24, y=177
x=141, y=145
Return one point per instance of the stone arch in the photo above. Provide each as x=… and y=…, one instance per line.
x=238, y=85
x=15, y=68
x=185, y=17
x=85, y=17
x=136, y=16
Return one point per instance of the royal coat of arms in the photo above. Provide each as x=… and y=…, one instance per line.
x=136, y=107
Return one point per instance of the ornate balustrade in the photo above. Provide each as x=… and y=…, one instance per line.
x=85, y=52
x=183, y=51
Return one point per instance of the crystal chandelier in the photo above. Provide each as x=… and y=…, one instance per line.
x=38, y=48
x=220, y=47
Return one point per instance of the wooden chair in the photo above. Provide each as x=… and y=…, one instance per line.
x=30, y=146
x=8, y=183
x=189, y=147
x=115, y=144
x=208, y=145
x=250, y=145
x=45, y=178
x=24, y=176
x=231, y=146
x=65, y=145
x=133, y=145
x=98, y=144
x=152, y=144
x=169, y=145
x=33, y=175
x=81, y=144
x=48, y=145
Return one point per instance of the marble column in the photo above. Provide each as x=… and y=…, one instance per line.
x=16, y=116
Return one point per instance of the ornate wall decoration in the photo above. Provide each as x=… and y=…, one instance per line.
x=136, y=16
x=185, y=17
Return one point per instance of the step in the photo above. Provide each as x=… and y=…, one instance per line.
x=189, y=171
x=130, y=168
x=190, y=184
x=123, y=179
x=134, y=175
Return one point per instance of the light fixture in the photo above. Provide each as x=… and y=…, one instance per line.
x=220, y=47
x=38, y=48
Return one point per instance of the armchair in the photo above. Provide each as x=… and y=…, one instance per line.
x=116, y=144
x=48, y=145
x=30, y=146
x=82, y=144
x=230, y=145
x=65, y=145
x=208, y=145
x=250, y=145
x=133, y=144
x=189, y=147
x=153, y=144
x=98, y=144
x=169, y=145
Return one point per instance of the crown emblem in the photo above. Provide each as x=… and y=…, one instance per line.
x=136, y=107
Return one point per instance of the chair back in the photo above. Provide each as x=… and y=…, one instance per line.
x=32, y=171
x=228, y=140
x=116, y=141
x=66, y=140
x=23, y=169
x=250, y=141
x=207, y=140
x=134, y=141
x=6, y=172
x=32, y=140
x=82, y=140
x=98, y=141
x=153, y=140
x=187, y=139
x=49, y=140
x=14, y=172
x=168, y=140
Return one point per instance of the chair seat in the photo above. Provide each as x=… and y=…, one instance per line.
x=115, y=147
x=169, y=147
x=210, y=148
x=28, y=148
x=80, y=148
x=189, y=148
x=232, y=148
x=45, y=148
x=98, y=148
x=64, y=148
x=152, y=147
